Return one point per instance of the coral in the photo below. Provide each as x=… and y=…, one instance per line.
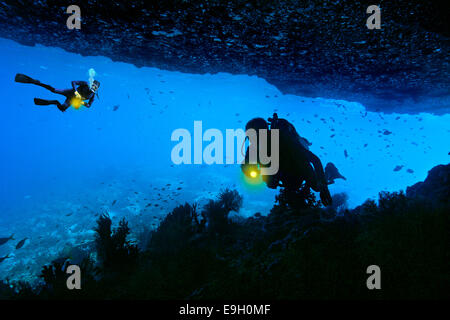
x=176, y=230
x=114, y=252
x=293, y=253
x=339, y=201
x=230, y=200
x=216, y=212
x=6, y=292
x=295, y=201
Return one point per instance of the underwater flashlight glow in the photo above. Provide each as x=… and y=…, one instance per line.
x=76, y=103
x=253, y=174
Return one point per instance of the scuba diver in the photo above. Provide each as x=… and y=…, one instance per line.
x=299, y=168
x=75, y=97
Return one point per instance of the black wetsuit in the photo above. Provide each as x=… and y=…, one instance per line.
x=82, y=87
x=296, y=163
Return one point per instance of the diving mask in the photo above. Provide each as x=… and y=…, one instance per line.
x=95, y=85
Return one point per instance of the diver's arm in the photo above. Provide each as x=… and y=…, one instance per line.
x=77, y=83
x=89, y=103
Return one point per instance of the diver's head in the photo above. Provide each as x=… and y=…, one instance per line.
x=252, y=130
x=257, y=124
x=95, y=85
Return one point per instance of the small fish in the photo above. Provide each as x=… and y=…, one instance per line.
x=410, y=171
x=387, y=132
x=4, y=258
x=21, y=243
x=5, y=240
x=116, y=107
x=345, y=153
x=398, y=168
x=114, y=202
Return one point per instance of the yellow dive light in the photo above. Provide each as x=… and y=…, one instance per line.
x=251, y=175
x=77, y=101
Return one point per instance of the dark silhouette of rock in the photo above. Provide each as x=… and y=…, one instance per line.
x=436, y=186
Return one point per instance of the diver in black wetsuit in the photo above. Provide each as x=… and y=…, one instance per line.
x=75, y=97
x=296, y=163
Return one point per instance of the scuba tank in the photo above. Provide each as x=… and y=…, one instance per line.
x=287, y=131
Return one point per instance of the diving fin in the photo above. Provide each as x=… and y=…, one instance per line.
x=24, y=79
x=42, y=102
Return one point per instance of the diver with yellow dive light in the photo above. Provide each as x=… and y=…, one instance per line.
x=81, y=94
x=296, y=163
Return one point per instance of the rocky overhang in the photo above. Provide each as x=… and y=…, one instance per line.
x=311, y=48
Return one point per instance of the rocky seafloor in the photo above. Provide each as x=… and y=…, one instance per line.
x=299, y=250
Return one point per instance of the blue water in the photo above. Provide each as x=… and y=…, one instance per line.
x=60, y=170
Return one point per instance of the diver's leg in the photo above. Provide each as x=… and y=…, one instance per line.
x=311, y=178
x=316, y=182
x=66, y=105
x=43, y=85
x=68, y=93
x=26, y=79
x=318, y=168
x=41, y=102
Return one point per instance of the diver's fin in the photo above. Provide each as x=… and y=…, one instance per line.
x=24, y=79
x=42, y=102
